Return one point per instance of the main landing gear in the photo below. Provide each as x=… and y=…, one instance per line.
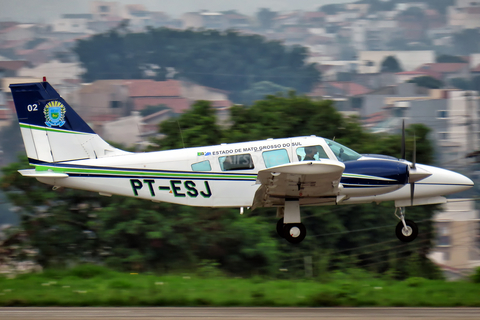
x=289, y=226
x=406, y=230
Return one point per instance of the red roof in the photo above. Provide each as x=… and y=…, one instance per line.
x=318, y=91
x=314, y=14
x=351, y=88
x=9, y=44
x=177, y=104
x=8, y=29
x=12, y=65
x=375, y=117
x=150, y=88
x=7, y=24
x=442, y=67
x=473, y=10
x=103, y=117
x=431, y=12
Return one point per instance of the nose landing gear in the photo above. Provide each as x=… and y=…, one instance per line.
x=406, y=230
x=290, y=226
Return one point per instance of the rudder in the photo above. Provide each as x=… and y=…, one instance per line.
x=51, y=130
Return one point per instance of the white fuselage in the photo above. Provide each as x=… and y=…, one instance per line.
x=183, y=176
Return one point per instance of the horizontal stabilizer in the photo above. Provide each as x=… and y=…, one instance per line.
x=42, y=174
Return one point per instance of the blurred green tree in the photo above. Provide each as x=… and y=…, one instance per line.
x=427, y=82
x=391, y=64
x=226, y=60
x=134, y=234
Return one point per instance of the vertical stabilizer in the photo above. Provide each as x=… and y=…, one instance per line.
x=52, y=131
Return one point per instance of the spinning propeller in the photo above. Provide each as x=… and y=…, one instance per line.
x=414, y=174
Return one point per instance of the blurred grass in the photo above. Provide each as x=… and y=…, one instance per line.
x=88, y=285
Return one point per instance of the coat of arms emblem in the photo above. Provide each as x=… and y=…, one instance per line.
x=54, y=113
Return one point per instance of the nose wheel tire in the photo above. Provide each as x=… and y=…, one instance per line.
x=294, y=232
x=407, y=234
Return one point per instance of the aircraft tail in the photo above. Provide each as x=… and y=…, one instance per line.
x=51, y=130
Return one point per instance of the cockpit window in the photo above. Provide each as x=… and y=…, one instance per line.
x=341, y=152
x=311, y=153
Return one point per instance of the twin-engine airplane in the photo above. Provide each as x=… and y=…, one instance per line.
x=283, y=173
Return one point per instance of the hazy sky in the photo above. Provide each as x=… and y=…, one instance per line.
x=47, y=10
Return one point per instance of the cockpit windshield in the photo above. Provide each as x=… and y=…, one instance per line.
x=341, y=152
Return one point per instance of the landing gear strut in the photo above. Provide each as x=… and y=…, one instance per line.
x=290, y=226
x=406, y=230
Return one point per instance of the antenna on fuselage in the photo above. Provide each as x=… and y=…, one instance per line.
x=181, y=135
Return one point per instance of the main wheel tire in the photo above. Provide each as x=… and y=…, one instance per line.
x=280, y=228
x=294, y=232
x=409, y=234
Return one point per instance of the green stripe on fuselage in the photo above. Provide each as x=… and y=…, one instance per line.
x=141, y=173
x=31, y=126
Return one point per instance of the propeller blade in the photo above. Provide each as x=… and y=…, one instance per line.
x=402, y=156
x=412, y=191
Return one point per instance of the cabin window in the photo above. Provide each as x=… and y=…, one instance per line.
x=202, y=166
x=341, y=152
x=236, y=162
x=311, y=153
x=275, y=157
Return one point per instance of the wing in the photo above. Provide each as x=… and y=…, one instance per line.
x=312, y=182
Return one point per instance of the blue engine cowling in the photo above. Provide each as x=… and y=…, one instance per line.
x=381, y=175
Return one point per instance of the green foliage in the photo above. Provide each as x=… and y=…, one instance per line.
x=209, y=269
x=195, y=128
x=476, y=276
x=87, y=271
x=72, y=226
x=391, y=64
x=350, y=288
x=226, y=60
x=120, y=284
x=415, y=281
x=427, y=82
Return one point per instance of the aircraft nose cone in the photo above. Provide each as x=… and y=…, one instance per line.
x=460, y=181
x=443, y=182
